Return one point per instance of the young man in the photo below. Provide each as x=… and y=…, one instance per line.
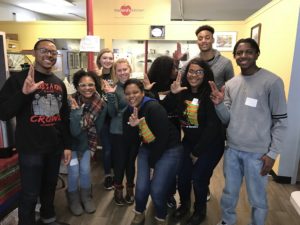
x=221, y=66
x=38, y=100
x=253, y=106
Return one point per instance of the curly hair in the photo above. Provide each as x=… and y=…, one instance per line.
x=161, y=71
x=82, y=73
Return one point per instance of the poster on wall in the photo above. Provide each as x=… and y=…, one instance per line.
x=224, y=41
x=90, y=43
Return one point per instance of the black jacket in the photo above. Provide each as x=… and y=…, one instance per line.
x=165, y=133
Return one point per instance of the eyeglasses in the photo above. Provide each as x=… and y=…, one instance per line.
x=45, y=51
x=84, y=85
x=196, y=72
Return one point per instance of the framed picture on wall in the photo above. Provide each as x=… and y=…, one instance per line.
x=224, y=41
x=255, y=32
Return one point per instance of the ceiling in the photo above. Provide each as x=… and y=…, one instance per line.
x=215, y=10
x=208, y=10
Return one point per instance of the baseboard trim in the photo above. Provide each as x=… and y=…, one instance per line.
x=280, y=179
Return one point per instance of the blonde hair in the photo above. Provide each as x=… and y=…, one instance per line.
x=119, y=61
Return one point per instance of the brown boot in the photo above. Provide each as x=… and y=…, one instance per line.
x=129, y=198
x=118, y=196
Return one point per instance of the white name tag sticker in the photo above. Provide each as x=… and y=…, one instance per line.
x=252, y=102
x=161, y=97
x=195, y=101
x=74, y=162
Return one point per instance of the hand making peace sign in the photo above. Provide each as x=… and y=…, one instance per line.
x=176, y=85
x=29, y=85
x=107, y=88
x=216, y=96
x=147, y=85
x=134, y=119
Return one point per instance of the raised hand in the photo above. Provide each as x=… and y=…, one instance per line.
x=147, y=85
x=216, y=96
x=73, y=103
x=134, y=119
x=97, y=70
x=177, y=55
x=107, y=88
x=176, y=85
x=29, y=85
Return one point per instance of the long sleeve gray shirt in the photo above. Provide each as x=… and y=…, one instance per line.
x=254, y=108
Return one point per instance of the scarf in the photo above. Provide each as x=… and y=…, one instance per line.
x=90, y=113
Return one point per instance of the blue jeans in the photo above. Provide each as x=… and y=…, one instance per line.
x=79, y=171
x=164, y=173
x=200, y=173
x=239, y=164
x=39, y=173
x=106, y=147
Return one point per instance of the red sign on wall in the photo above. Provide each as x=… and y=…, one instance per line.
x=125, y=10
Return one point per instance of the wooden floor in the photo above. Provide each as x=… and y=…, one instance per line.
x=281, y=212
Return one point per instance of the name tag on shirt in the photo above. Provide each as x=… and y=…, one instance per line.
x=195, y=101
x=161, y=97
x=252, y=102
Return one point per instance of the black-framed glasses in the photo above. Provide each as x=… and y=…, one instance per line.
x=46, y=51
x=196, y=72
x=84, y=85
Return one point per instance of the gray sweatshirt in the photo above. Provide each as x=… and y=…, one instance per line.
x=254, y=108
x=221, y=67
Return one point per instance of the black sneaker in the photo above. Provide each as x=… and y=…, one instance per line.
x=108, y=183
x=208, y=195
x=171, y=203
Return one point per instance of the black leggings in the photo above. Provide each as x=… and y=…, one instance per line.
x=124, y=156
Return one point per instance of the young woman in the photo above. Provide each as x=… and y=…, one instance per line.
x=161, y=75
x=203, y=139
x=123, y=152
x=146, y=122
x=104, y=61
x=86, y=120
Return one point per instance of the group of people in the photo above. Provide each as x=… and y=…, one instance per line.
x=174, y=124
